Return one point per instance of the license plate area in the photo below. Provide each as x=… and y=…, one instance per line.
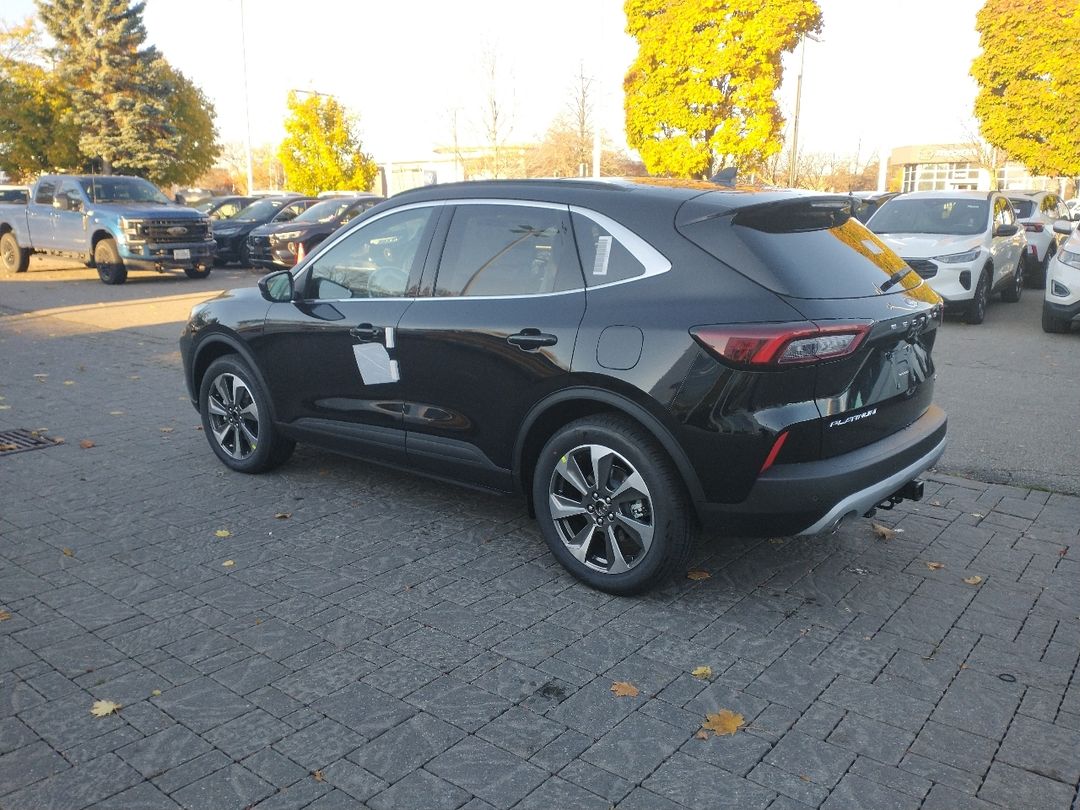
x=182, y=253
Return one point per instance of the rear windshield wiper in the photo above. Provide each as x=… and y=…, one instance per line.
x=895, y=278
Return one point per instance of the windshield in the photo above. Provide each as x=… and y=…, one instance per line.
x=325, y=211
x=205, y=206
x=1023, y=208
x=108, y=189
x=954, y=217
x=261, y=210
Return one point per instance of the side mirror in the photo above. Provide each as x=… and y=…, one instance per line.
x=277, y=287
x=61, y=202
x=1006, y=230
x=1075, y=215
x=1064, y=226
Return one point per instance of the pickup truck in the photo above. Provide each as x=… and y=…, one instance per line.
x=112, y=222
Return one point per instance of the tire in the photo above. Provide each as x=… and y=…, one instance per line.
x=652, y=534
x=202, y=271
x=236, y=418
x=1053, y=324
x=110, y=268
x=1037, y=278
x=13, y=259
x=1011, y=294
x=245, y=255
x=976, y=312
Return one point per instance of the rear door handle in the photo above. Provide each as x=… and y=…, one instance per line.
x=366, y=331
x=531, y=339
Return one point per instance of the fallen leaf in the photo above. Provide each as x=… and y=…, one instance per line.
x=973, y=580
x=58, y=439
x=116, y=413
x=283, y=515
x=228, y=564
x=4, y=615
x=134, y=377
x=166, y=430
x=1063, y=552
x=198, y=427
x=324, y=472
x=702, y=735
x=40, y=377
x=724, y=722
x=68, y=552
x=223, y=533
x=155, y=693
x=776, y=541
x=697, y=574
x=935, y=566
x=69, y=382
x=935, y=503
x=884, y=532
x=318, y=776
x=5, y=447
x=805, y=778
x=702, y=672
x=86, y=444
x=977, y=514
x=102, y=708
x=5, y=407
x=624, y=689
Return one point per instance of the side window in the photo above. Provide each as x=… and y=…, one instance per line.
x=603, y=257
x=374, y=261
x=1003, y=214
x=45, y=191
x=74, y=193
x=226, y=211
x=507, y=250
x=289, y=212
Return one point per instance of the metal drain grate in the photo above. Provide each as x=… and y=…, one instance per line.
x=16, y=441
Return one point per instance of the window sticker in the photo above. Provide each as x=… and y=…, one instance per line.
x=603, y=253
x=374, y=364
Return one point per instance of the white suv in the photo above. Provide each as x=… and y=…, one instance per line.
x=966, y=244
x=1061, y=303
x=1037, y=211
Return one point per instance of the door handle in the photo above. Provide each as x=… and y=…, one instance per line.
x=531, y=339
x=366, y=331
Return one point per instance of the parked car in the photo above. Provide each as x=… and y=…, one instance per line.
x=758, y=361
x=20, y=195
x=1037, y=211
x=112, y=222
x=866, y=203
x=1074, y=208
x=1061, y=302
x=966, y=244
x=224, y=207
x=231, y=234
x=277, y=244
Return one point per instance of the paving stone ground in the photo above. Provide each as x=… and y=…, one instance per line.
x=396, y=643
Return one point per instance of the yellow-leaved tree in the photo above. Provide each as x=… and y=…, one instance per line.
x=322, y=150
x=1029, y=86
x=701, y=94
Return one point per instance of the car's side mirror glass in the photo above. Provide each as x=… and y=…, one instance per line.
x=277, y=287
x=1064, y=226
x=61, y=202
x=1006, y=230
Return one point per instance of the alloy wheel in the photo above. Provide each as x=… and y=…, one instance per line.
x=234, y=416
x=601, y=509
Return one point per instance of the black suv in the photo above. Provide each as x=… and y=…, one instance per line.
x=635, y=358
x=278, y=244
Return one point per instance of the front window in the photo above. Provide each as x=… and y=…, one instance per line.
x=260, y=210
x=953, y=217
x=324, y=211
x=110, y=189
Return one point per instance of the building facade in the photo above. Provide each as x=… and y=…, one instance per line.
x=958, y=167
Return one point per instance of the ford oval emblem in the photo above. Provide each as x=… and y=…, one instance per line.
x=176, y=230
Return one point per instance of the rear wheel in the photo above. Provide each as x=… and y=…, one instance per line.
x=202, y=271
x=1011, y=294
x=110, y=268
x=976, y=312
x=13, y=259
x=1052, y=323
x=611, y=505
x=245, y=255
x=1037, y=276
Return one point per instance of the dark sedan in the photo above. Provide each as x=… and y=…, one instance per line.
x=277, y=244
x=231, y=234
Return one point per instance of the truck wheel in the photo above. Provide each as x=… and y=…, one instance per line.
x=13, y=259
x=110, y=268
x=245, y=256
x=201, y=271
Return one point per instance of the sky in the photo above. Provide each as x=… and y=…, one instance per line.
x=885, y=74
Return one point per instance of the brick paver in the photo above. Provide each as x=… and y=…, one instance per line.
x=399, y=643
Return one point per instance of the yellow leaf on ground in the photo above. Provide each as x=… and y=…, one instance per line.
x=223, y=533
x=702, y=735
x=697, y=574
x=7, y=446
x=86, y=444
x=116, y=413
x=973, y=580
x=155, y=693
x=4, y=615
x=102, y=708
x=884, y=532
x=228, y=564
x=69, y=382
x=624, y=689
x=935, y=566
x=724, y=722
x=283, y=515
x=318, y=776
x=134, y=377
x=166, y=430
x=702, y=672
x=68, y=552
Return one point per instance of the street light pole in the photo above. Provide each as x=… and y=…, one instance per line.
x=798, y=106
x=247, y=106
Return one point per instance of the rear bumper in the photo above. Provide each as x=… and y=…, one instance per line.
x=813, y=497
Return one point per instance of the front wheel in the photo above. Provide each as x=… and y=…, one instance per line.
x=110, y=268
x=202, y=271
x=236, y=418
x=611, y=506
x=1011, y=294
x=1037, y=278
x=976, y=312
x=13, y=259
x=1052, y=324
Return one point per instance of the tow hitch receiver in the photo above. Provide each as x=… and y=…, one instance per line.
x=911, y=491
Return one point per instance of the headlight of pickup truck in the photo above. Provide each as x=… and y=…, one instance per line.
x=132, y=229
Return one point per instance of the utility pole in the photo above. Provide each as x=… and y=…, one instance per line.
x=247, y=105
x=798, y=106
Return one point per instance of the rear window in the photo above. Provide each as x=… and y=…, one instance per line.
x=1023, y=208
x=802, y=249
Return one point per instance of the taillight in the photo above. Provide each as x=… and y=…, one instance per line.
x=1033, y=227
x=780, y=343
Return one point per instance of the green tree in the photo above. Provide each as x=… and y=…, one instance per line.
x=322, y=149
x=701, y=94
x=35, y=137
x=196, y=142
x=1028, y=102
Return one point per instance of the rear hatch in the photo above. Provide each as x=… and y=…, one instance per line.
x=827, y=265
